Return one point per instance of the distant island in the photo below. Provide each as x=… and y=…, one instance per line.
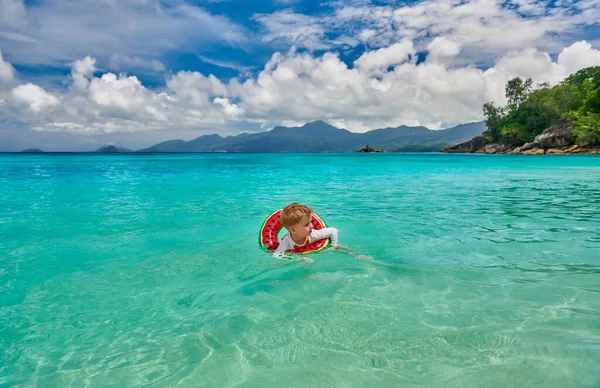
x=32, y=151
x=564, y=119
x=109, y=149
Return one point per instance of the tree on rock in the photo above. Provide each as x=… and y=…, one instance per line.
x=493, y=119
x=517, y=91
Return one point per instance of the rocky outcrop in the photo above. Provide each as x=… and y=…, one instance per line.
x=582, y=150
x=575, y=149
x=369, y=149
x=532, y=151
x=554, y=140
x=494, y=148
x=558, y=135
x=469, y=146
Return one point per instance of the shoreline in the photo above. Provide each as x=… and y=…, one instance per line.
x=496, y=148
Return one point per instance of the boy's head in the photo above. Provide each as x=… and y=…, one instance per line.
x=297, y=218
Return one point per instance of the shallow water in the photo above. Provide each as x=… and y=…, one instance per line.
x=122, y=270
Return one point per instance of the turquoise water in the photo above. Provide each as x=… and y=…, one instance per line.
x=144, y=270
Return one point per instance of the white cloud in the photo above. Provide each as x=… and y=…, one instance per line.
x=531, y=63
x=442, y=49
x=34, y=98
x=18, y=37
x=296, y=29
x=382, y=89
x=125, y=96
x=120, y=62
x=195, y=89
x=384, y=57
x=81, y=71
x=7, y=72
x=578, y=55
x=225, y=64
x=231, y=110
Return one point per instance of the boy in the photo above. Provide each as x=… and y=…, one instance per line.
x=296, y=218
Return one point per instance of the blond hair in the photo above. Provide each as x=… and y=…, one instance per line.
x=293, y=213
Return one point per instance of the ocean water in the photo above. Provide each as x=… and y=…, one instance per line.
x=144, y=270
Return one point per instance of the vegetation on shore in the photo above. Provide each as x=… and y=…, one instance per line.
x=530, y=111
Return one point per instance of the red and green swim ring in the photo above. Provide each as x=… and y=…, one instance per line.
x=268, y=241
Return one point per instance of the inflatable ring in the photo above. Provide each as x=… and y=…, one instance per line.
x=268, y=241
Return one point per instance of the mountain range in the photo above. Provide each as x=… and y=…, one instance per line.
x=318, y=136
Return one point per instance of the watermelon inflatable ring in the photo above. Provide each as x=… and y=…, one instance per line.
x=267, y=239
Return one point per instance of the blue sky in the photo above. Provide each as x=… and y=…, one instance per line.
x=76, y=74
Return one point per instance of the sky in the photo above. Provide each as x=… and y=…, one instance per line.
x=79, y=74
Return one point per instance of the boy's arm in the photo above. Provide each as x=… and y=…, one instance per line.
x=279, y=252
x=330, y=233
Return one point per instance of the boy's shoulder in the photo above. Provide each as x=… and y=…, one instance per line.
x=286, y=239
